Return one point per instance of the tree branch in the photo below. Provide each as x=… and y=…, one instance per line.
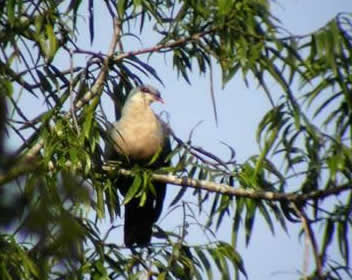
x=192, y=183
x=94, y=91
x=311, y=239
x=156, y=48
x=235, y=191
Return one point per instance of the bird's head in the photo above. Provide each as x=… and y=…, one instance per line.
x=145, y=93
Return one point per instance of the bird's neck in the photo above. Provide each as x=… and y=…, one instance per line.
x=136, y=109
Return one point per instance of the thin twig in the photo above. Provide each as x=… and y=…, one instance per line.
x=104, y=70
x=212, y=93
x=160, y=47
x=73, y=113
x=197, y=152
x=310, y=238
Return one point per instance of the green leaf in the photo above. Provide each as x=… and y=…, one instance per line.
x=251, y=208
x=223, y=209
x=230, y=74
x=179, y=195
x=266, y=216
x=233, y=256
x=112, y=200
x=205, y=262
x=162, y=276
x=220, y=262
x=53, y=46
x=343, y=240
x=100, y=203
x=88, y=123
x=224, y=7
x=11, y=12
x=133, y=189
x=91, y=20
x=121, y=7
x=328, y=236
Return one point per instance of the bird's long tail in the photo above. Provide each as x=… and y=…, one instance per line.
x=139, y=219
x=138, y=223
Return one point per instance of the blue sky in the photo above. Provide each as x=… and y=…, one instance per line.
x=239, y=111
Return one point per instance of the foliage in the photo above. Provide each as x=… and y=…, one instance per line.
x=55, y=177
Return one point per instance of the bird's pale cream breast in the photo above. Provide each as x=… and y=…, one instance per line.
x=139, y=135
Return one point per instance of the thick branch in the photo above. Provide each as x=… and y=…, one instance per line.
x=201, y=184
x=238, y=191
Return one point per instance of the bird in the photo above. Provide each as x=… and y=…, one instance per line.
x=140, y=137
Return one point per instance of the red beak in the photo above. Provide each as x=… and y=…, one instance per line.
x=159, y=99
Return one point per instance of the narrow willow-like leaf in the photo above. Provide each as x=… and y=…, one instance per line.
x=91, y=20
x=251, y=208
x=53, y=45
x=178, y=196
x=327, y=237
x=205, y=262
x=134, y=189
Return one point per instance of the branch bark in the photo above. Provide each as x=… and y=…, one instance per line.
x=196, y=184
x=309, y=235
x=236, y=191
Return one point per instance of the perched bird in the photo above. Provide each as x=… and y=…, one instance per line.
x=137, y=138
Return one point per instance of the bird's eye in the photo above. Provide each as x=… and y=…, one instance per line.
x=145, y=90
x=150, y=91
